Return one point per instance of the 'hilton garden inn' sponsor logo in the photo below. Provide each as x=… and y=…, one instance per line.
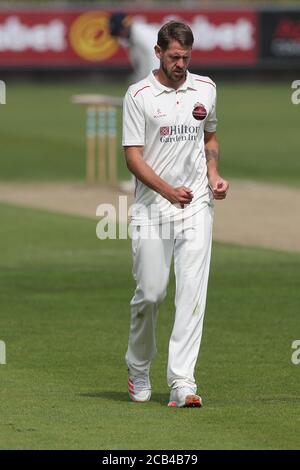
x=179, y=133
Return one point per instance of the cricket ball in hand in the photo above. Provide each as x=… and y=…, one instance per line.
x=199, y=112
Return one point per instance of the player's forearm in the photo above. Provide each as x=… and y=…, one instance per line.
x=212, y=155
x=217, y=184
x=144, y=172
x=212, y=161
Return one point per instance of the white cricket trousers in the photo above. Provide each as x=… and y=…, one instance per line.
x=152, y=249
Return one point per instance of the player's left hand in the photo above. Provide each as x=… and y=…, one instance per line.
x=219, y=187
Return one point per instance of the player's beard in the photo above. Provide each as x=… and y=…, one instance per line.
x=173, y=77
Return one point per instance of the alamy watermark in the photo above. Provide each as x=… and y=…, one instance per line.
x=296, y=354
x=2, y=92
x=2, y=352
x=295, y=97
x=149, y=222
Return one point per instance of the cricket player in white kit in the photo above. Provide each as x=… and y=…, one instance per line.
x=170, y=143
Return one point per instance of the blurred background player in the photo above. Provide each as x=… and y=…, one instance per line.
x=138, y=37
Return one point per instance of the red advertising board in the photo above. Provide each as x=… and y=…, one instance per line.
x=56, y=38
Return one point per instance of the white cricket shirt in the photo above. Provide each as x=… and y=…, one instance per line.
x=161, y=120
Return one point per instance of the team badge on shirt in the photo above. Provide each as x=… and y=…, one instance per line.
x=199, y=111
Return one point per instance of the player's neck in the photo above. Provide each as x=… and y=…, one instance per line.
x=162, y=78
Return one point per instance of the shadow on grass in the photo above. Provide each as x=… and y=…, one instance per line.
x=161, y=398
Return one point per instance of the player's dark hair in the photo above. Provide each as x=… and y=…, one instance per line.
x=175, y=31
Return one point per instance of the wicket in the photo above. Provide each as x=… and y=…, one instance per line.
x=101, y=137
x=2, y=353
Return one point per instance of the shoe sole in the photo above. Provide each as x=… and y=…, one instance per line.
x=191, y=401
x=138, y=401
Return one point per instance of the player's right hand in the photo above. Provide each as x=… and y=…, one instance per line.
x=181, y=196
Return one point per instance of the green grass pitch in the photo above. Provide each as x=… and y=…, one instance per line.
x=43, y=135
x=64, y=295
x=65, y=318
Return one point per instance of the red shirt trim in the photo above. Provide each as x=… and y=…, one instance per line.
x=204, y=81
x=147, y=86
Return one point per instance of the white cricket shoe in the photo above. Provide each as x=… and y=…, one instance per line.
x=139, y=387
x=184, y=397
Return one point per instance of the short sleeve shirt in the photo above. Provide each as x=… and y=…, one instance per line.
x=170, y=126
